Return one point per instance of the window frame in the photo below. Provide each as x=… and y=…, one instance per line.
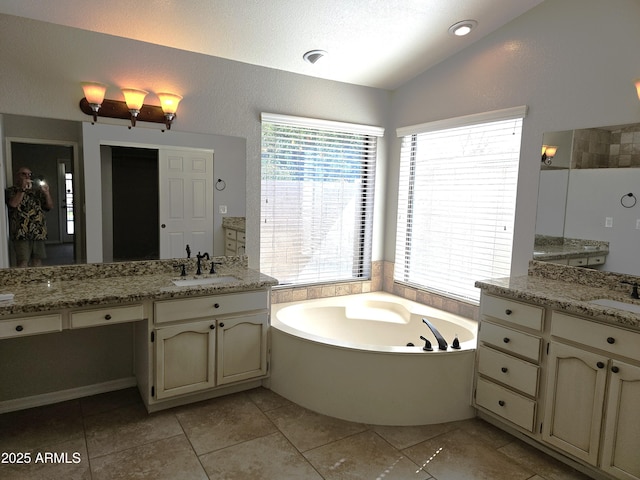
x=363, y=220
x=407, y=179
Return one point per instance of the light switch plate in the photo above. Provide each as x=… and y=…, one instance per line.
x=608, y=222
x=222, y=209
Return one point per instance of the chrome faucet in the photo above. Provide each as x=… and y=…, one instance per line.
x=199, y=264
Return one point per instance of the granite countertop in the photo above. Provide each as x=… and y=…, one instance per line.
x=555, y=252
x=235, y=223
x=55, y=288
x=570, y=289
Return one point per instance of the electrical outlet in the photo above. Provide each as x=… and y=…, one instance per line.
x=638, y=224
x=608, y=222
x=222, y=209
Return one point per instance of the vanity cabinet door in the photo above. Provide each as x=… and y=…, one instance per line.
x=575, y=395
x=620, y=455
x=242, y=347
x=185, y=358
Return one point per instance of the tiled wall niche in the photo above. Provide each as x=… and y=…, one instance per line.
x=604, y=148
x=381, y=280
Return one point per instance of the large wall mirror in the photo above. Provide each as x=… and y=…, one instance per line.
x=99, y=175
x=588, y=190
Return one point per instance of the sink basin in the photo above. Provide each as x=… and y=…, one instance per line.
x=605, y=302
x=190, y=282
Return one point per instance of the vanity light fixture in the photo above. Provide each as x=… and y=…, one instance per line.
x=548, y=152
x=134, y=99
x=94, y=94
x=132, y=108
x=169, y=103
x=460, y=29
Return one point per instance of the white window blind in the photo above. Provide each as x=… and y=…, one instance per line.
x=317, y=199
x=456, y=204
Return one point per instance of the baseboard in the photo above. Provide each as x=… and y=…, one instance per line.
x=64, y=395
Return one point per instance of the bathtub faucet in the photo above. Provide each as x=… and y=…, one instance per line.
x=442, y=343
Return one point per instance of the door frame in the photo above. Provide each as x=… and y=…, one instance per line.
x=78, y=192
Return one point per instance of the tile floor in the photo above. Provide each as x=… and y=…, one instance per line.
x=252, y=435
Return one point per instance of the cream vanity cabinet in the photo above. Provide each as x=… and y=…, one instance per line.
x=593, y=394
x=204, y=342
x=234, y=242
x=508, y=360
x=30, y=325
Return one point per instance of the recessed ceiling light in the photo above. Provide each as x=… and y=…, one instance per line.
x=462, y=28
x=312, y=56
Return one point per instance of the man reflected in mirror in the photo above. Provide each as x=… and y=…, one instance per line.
x=28, y=202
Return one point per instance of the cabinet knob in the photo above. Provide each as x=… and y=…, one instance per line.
x=501, y=403
x=216, y=305
x=615, y=369
x=107, y=317
x=212, y=327
x=508, y=312
x=600, y=365
x=504, y=369
x=506, y=339
x=611, y=340
x=221, y=324
x=19, y=328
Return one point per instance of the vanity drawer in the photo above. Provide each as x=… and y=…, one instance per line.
x=106, y=316
x=504, y=338
x=509, y=405
x=209, y=306
x=241, y=237
x=21, y=327
x=599, y=260
x=230, y=234
x=230, y=245
x=578, y=262
x=518, y=313
x=509, y=370
x=608, y=338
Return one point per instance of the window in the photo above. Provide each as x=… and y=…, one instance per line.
x=317, y=199
x=456, y=202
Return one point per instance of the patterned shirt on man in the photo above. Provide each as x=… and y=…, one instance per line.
x=27, y=221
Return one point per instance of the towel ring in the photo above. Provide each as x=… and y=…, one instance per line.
x=220, y=185
x=628, y=203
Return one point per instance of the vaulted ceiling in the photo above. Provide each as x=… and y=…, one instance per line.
x=377, y=43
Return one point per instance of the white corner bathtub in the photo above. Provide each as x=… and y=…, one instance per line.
x=347, y=357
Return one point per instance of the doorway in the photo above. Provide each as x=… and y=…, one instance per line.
x=135, y=204
x=54, y=164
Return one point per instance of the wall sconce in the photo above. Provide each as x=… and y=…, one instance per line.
x=548, y=152
x=134, y=100
x=637, y=82
x=132, y=108
x=94, y=94
x=169, y=103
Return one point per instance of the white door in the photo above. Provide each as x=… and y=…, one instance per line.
x=186, y=202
